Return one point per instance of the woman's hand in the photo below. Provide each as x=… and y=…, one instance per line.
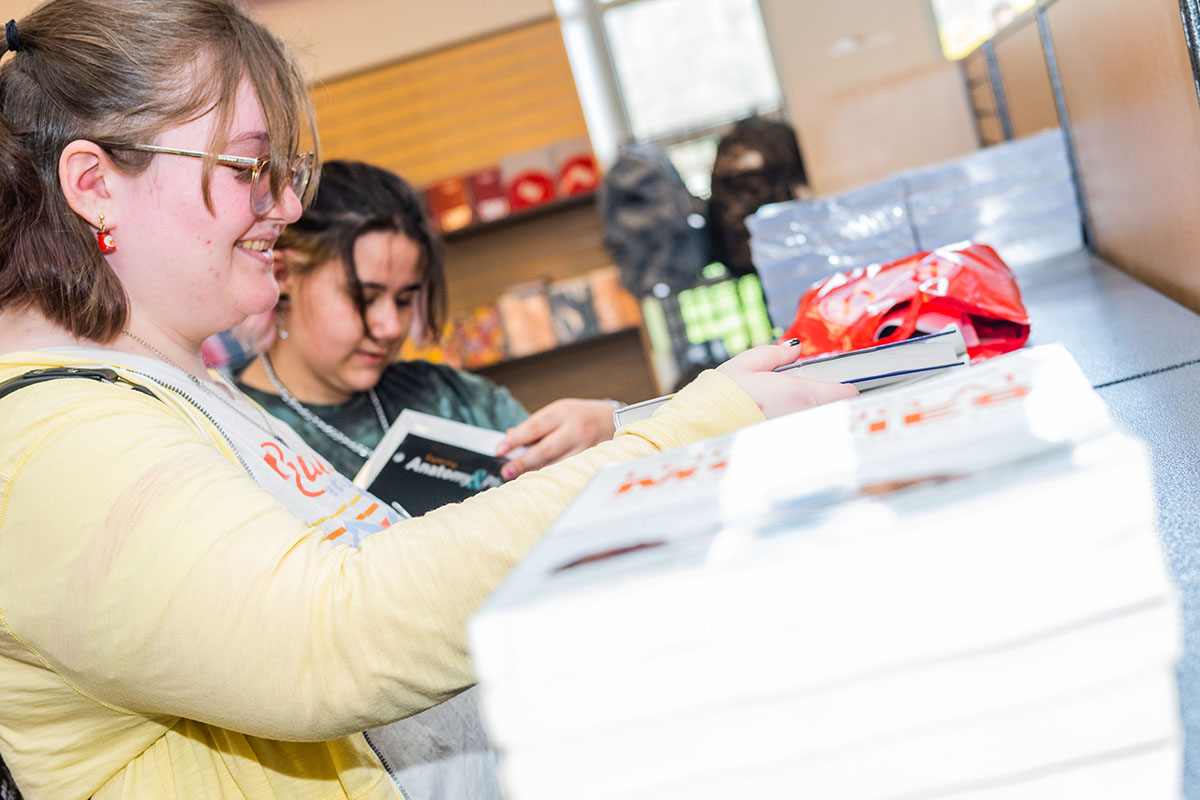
x=560, y=429
x=778, y=393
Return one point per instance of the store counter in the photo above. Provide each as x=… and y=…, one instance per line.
x=1141, y=350
x=1116, y=327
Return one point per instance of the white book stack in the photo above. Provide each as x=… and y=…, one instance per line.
x=952, y=589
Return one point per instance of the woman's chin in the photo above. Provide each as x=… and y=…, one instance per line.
x=366, y=377
x=259, y=298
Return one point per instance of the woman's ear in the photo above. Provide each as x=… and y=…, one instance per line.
x=87, y=176
x=283, y=276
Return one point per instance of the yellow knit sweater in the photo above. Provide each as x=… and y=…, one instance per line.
x=168, y=629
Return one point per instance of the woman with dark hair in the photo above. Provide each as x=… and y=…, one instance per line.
x=359, y=273
x=193, y=604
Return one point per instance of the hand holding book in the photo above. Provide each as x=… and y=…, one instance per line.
x=569, y=426
x=556, y=431
x=425, y=461
x=759, y=372
x=889, y=363
x=869, y=368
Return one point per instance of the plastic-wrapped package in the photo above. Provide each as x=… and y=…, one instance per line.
x=788, y=280
x=851, y=216
x=975, y=207
x=1017, y=197
x=1008, y=161
x=769, y=252
x=796, y=243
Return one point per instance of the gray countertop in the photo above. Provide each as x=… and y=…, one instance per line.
x=1160, y=409
x=1115, y=326
x=1141, y=350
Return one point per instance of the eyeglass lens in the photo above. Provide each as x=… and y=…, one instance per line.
x=261, y=200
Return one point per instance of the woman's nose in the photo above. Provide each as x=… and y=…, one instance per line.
x=289, y=208
x=386, y=322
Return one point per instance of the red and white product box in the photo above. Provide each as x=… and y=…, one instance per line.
x=449, y=204
x=487, y=191
x=528, y=178
x=576, y=171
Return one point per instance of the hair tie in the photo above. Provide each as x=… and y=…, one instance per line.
x=13, y=38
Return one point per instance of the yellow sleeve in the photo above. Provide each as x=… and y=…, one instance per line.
x=155, y=577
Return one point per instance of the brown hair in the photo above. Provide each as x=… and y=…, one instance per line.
x=356, y=199
x=119, y=72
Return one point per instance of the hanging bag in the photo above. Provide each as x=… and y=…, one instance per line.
x=653, y=226
x=758, y=162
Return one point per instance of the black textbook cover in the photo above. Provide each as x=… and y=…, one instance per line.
x=424, y=473
x=424, y=462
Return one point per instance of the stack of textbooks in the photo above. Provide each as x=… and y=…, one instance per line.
x=952, y=589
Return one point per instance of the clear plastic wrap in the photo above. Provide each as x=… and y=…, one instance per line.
x=1017, y=197
x=797, y=243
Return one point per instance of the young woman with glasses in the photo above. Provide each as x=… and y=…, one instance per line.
x=192, y=605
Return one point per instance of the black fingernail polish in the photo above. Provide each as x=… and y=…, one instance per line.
x=791, y=343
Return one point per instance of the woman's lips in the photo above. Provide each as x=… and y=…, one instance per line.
x=262, y=257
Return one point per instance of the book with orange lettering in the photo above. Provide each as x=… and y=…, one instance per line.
x=954, y=565
x=424, y=462
x=958, y=423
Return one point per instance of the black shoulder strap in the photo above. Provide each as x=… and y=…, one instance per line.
x=94, y=373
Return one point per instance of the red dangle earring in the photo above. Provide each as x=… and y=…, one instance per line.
x=105, y=239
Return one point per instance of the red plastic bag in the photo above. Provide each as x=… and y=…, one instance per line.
x=967, y=285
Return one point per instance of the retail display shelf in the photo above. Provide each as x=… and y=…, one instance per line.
x=517, y=217
x=579, y=345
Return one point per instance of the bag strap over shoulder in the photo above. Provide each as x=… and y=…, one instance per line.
x=102, y=374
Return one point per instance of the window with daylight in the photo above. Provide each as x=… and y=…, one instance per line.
x=673, y=72
x=963, y=25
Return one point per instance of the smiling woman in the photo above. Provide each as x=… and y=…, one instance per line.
x=83, y=296
x=194, y=603
x=218, y=241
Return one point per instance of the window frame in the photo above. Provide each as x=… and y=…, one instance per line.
x=600, y=90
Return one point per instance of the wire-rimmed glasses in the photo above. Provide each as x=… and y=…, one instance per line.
x=249, y=170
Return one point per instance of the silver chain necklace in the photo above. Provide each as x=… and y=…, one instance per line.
x=324, y=427
x=264, y=424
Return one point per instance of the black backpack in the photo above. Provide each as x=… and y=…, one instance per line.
x=653, y=226
x=8, y=787
x=758, y=162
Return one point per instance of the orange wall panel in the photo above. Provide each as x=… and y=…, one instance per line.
x=1135, y=119
x=456, y=110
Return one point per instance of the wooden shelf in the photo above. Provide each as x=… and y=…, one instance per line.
x=557, y=241
x=609, y=365
x=517, y=217
x=562, y=349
